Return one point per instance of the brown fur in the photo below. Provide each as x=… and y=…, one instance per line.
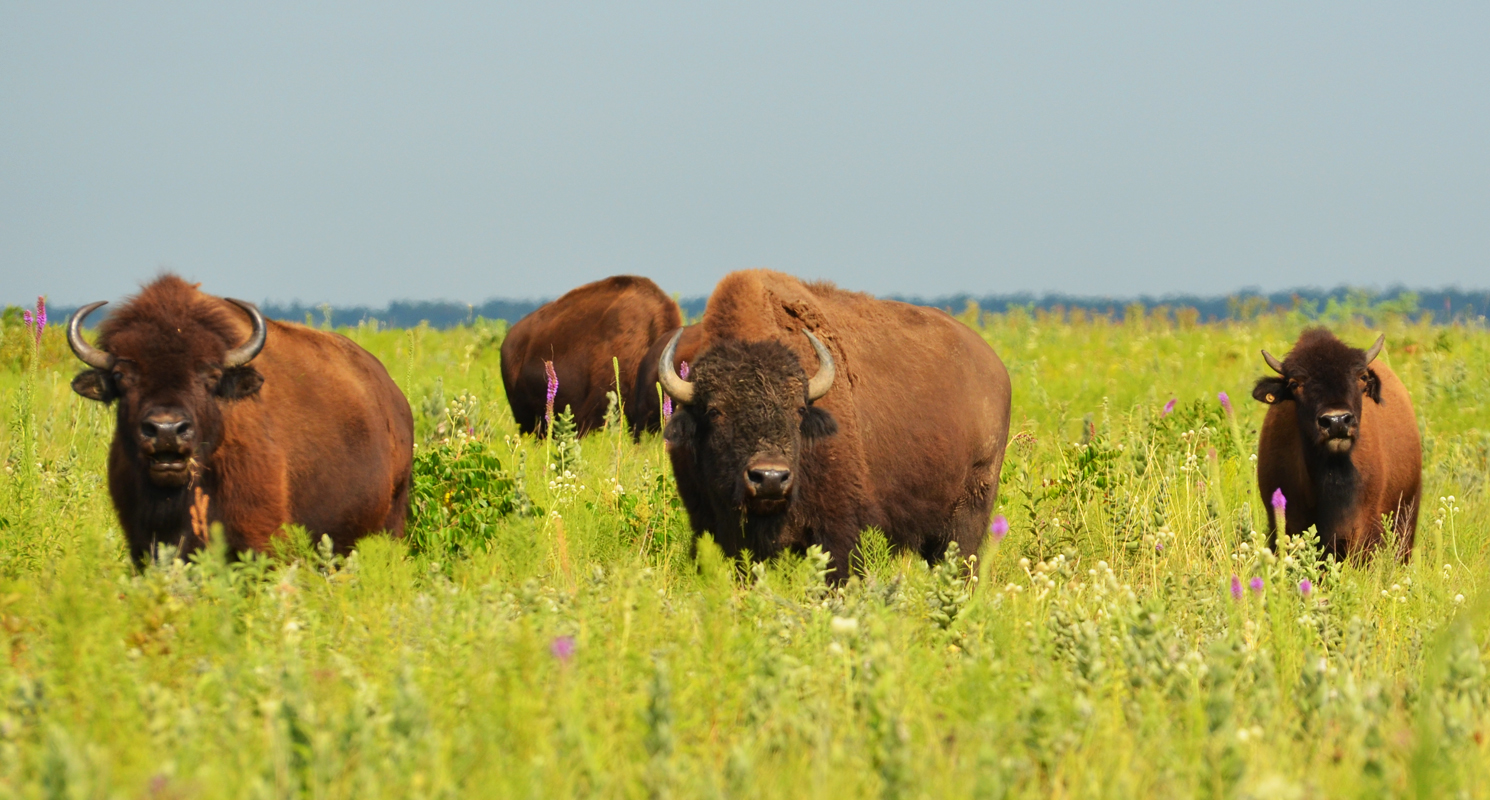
x=581, y=332
x=325, y=442
x=921, y=405
x=1343, y=495
x=644, y=412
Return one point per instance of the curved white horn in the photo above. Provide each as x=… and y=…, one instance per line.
x=676, y=388
x=826, y=372
x=86, y=353
x=244, y=353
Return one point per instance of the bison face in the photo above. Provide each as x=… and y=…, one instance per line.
x=1327, y=380
x=167, y=381
x=745, y=417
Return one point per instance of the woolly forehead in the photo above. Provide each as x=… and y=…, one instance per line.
x=1320, y=355
x=753, y=367
x=180, y=338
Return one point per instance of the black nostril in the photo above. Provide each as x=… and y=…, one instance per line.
x=1324, y=422
x=1347, y=419
x=148, y=430
x=769, y=479
x=182, y=429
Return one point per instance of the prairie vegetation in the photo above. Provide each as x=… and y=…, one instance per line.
x=546, y=631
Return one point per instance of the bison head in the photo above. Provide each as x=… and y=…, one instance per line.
x=1327, y=381
x=745, y=415
x=167, y=365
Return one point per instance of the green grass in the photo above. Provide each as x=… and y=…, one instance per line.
x=1088, y=662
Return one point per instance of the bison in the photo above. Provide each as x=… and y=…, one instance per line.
x=1340, y=461
x=580, y=333
x=232, y=419
x=814, y=413
x=644, y=411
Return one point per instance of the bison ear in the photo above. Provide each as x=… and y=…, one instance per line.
x=1271, y=390
x=239, y=382
x=94, y=384
x=1373, y=386
x=680, y=429
x=817, y=422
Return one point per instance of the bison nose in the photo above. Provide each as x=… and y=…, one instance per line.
x=165, y=427
x=768, y=481
x=1336, y=425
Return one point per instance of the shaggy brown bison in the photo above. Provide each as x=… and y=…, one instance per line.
x=814, y=413
x=644, y=411
x=581, y=332
x=266, y=423
x=1340, y=462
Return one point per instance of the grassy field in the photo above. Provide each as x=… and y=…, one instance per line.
x=545, y=632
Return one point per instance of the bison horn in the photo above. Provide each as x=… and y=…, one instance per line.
x=244, y=353
x=826, y=372
x=87, y=353
x=1376, y=348
x=1273, y=362
x=676, y=388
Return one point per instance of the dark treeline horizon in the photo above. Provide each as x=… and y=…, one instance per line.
x=1445, y=305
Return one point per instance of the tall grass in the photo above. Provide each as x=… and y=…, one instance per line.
x=575, y=646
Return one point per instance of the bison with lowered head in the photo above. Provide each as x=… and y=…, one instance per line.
x=814, y=413
x=1341, y=442
x=581, y=332
x=270, y=422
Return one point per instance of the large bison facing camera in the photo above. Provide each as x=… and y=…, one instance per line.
x=265, y=422
x=1341, y=442
x=814, y=413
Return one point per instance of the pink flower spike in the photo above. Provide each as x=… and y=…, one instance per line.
x=1168, y=407
x=1225, y=402
x=1236, y=588
x=553, y=391
x=1256, y=585
x=667, y=406
x=1280, y=502
x=683, y=370
x=999, y=528
x=562, y=648
x=1305, y=587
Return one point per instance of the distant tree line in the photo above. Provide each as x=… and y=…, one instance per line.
x=1445, y=305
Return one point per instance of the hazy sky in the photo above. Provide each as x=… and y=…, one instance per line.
x=364, y=152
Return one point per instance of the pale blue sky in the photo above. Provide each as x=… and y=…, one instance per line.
x=361, y=152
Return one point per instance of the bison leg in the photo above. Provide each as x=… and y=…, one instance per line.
x=398, y=513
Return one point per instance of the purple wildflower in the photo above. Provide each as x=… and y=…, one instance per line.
x=553, y=391
x=1305, y=587
x=1158, y=547
x=562, y=648
x=667, y=406
x=1280, y=503
x=1256, y=585
x=1236, y=588
x=37, y=321
x=683, y=370
x=1225, y=402
x=999, y=528
x=1168, y=407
